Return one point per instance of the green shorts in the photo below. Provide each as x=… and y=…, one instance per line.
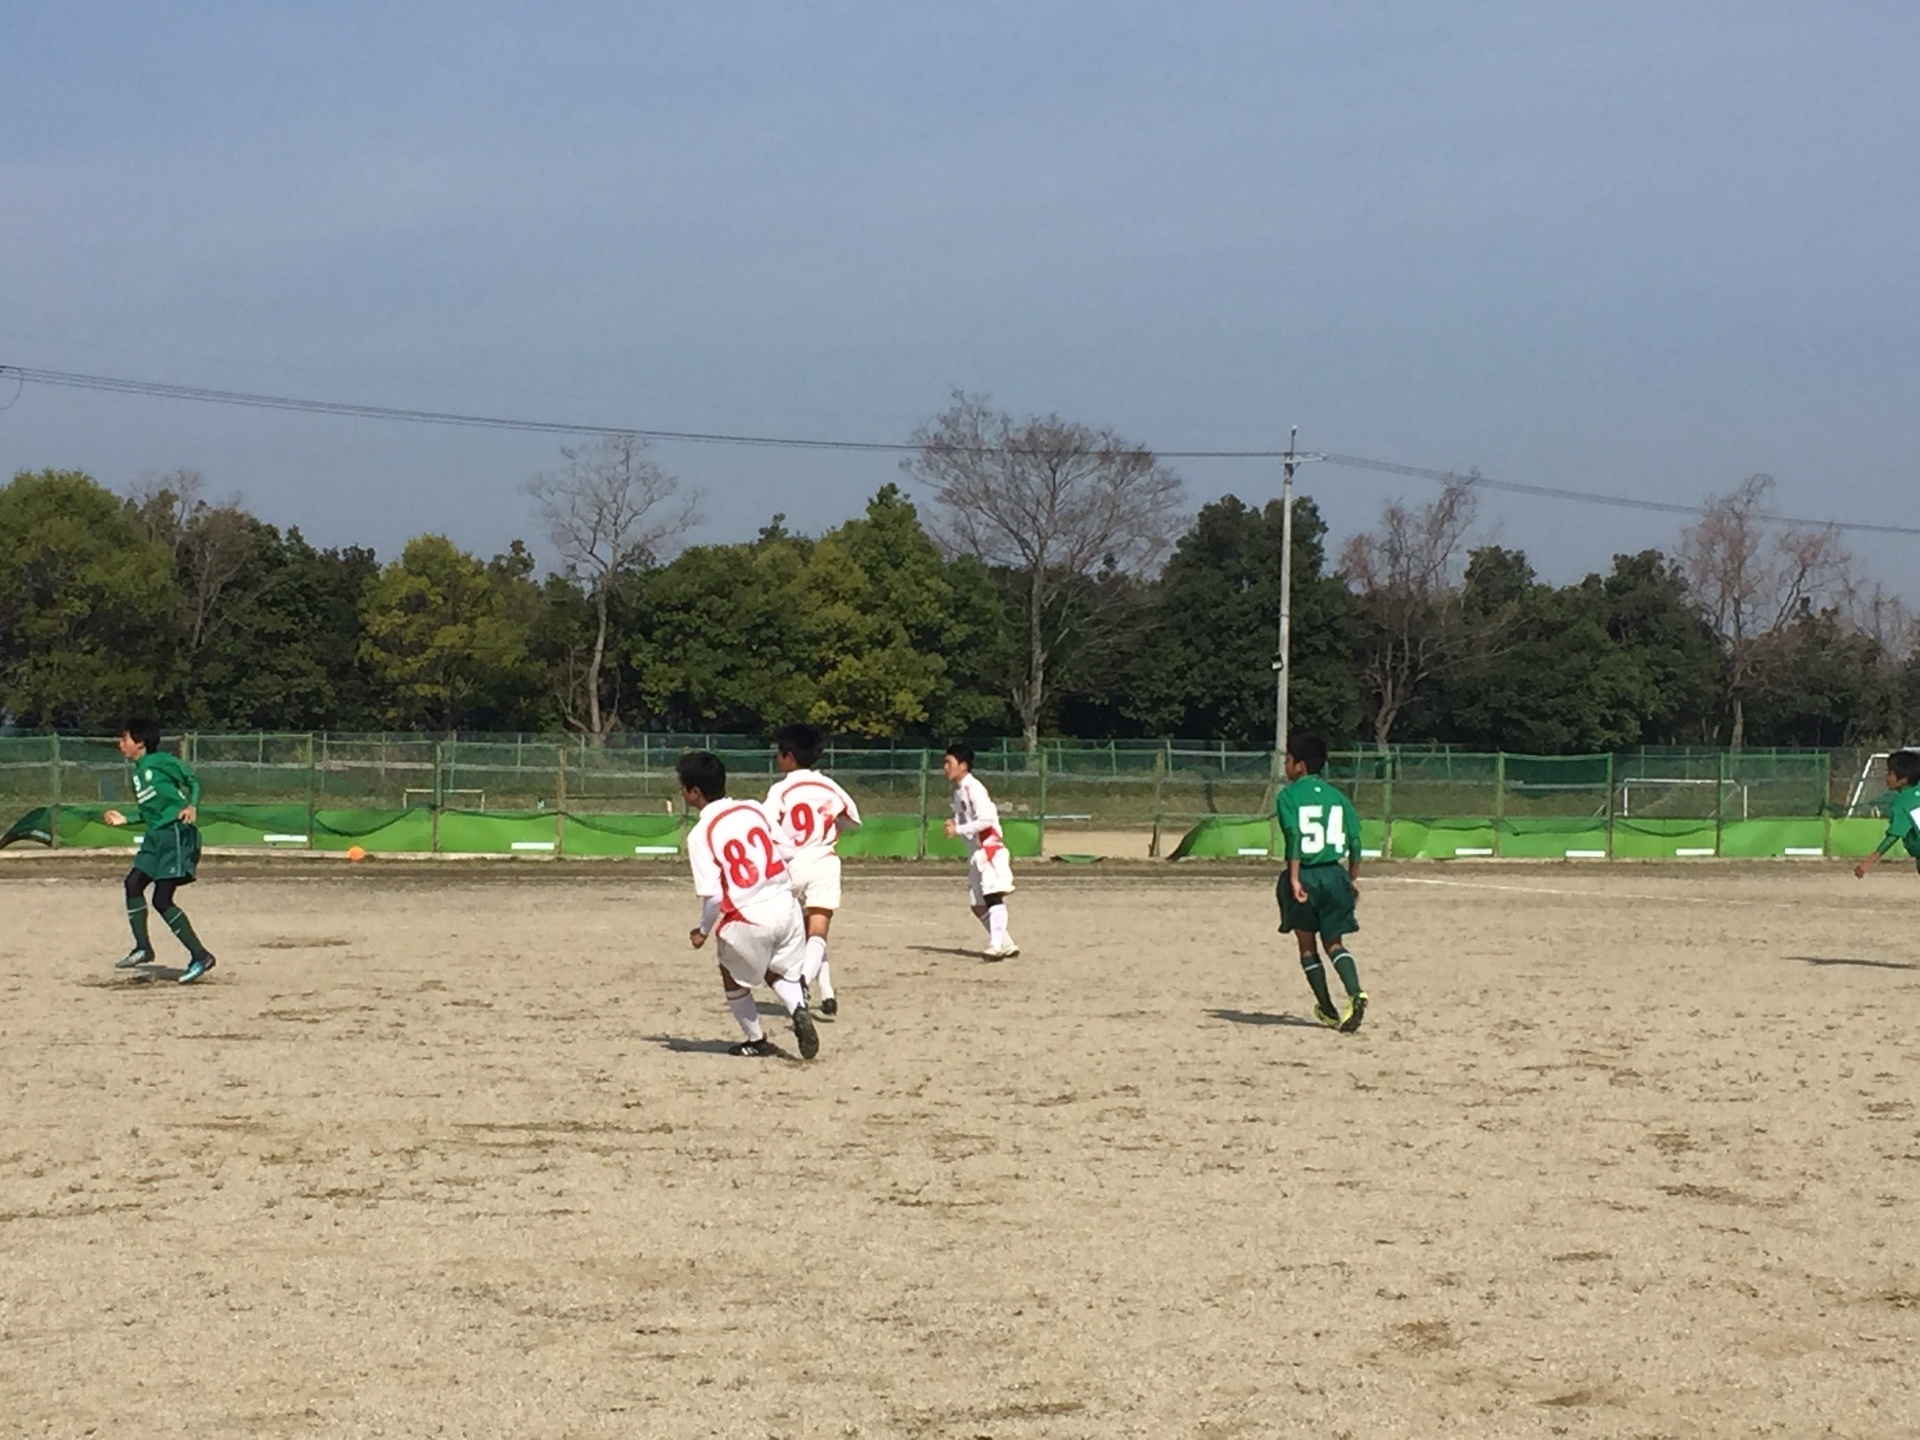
x=1330, y=901
x=171, y=852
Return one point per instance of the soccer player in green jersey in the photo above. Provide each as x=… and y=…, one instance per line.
x=1903, y=810
x=1317, y=895
x=169, y=853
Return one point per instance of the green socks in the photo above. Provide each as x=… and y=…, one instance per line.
x=1349, y=972
x=1317, y=978
x=177, y=922
x=137, y=922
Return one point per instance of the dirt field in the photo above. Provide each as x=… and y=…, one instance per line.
x=453, y=1150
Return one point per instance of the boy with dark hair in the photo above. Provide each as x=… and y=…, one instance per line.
x=813, y=812
x=1903, y=810
x=169, y=853
x=1316, y=895
x=989, y=868
x=740, y=875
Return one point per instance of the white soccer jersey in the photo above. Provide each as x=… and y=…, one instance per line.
x=977, y=818
x=739, y=860
x=812, y=811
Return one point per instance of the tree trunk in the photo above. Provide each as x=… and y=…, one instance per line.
x=1036, y=663
x=1739, y=737
x=593, y=664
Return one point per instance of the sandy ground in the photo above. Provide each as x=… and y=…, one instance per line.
x=1623, y=1151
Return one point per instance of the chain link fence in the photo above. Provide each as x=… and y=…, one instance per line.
x=555, y=793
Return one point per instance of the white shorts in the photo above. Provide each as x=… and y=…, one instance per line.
x=758, y=949
x=988, y=877
x=816, y=880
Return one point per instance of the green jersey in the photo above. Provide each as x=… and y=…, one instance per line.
x=164, y=786
x=1903, y=819
x=1319, y=822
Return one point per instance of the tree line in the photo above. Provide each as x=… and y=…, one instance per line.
x=1055, y=584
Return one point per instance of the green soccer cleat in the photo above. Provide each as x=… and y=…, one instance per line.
x=1355, y=1015
x=134, y=959
x=1326, y=1018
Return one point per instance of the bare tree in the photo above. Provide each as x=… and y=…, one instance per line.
x=211, y=543
x=609, y=511
x=1753, y=577
x=1406, y=578
x=1055, y=503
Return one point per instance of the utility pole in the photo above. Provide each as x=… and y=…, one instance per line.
x=1282, y=659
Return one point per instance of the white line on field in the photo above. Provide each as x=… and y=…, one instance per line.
x=1547, y=890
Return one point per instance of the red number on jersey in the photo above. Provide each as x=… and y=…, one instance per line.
x=765, y=841
x=740, y=869
x=800, y=821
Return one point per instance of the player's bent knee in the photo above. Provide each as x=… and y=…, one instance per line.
x=137, y=883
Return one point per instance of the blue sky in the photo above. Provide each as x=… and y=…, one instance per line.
x=1640, y=248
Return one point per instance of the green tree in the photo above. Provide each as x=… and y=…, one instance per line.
x=722, y=643
x=1204, y=668
x=446, y=634
x=1651, y=615
x=899, y=620
x=286, y=654
x=1820, y=683
x=86, y=604
x=1556, y=683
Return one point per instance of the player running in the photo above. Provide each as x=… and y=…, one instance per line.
x=989, y=867
x=1903, y=810
x=740, y=875
x=169, y=853
x=813, y=813
x=1316, y=895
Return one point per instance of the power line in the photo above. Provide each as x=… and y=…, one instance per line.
x=27, y=375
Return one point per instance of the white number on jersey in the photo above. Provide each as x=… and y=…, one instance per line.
x=1323, y=827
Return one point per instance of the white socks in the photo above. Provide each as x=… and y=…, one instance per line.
x=816, y=962
x=997, y=927
x=790, y=993
x=746, y=1013
x=826, y=977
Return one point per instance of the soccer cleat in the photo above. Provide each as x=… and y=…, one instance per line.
x=829, y=1006
x=806, y=1034
x=1355, y=1015
x=196, y=967
x=135, y=958
x=1326, y=1017
x=752, y=1049
x=1000, y=952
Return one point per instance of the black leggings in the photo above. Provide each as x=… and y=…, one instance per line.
x=137, y=882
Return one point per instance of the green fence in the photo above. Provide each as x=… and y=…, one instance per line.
x=566, y=795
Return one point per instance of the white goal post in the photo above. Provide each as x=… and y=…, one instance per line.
x=1648, y=782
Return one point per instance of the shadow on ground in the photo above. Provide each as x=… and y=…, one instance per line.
x=1863, y=964
x=1260, y=1017
x=681, y=1045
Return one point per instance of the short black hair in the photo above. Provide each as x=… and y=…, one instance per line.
x=704, y=771
x=803, y=742
x=1906, y=765
x=962, y=752
x=146, y=731
x=1310, y=750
